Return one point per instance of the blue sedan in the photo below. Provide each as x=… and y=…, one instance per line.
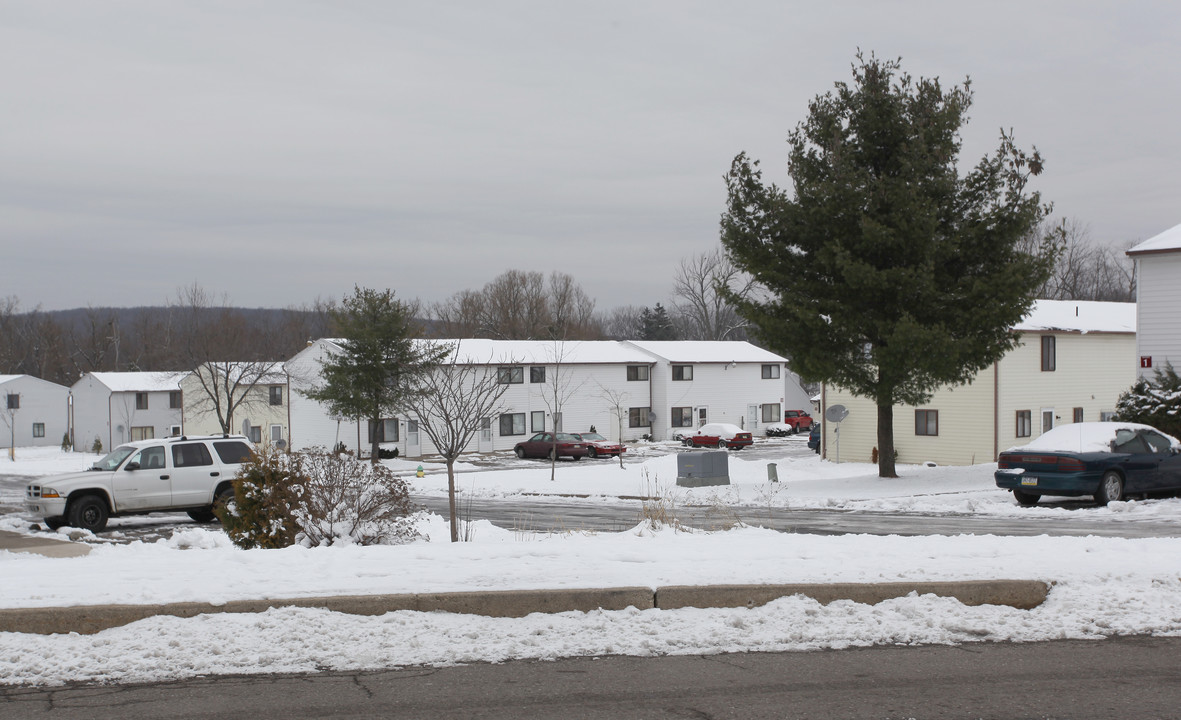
x=1108, y=460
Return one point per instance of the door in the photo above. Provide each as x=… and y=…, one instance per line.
x=1047, y=420
x=413, y=444
x=145, y=482
x=752, y=417
x=194, y=475
x=485, y=442
x=702, y=416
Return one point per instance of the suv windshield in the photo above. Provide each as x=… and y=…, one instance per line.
x=113, y=458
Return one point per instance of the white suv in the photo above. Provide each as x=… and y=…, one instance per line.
x=176, y=473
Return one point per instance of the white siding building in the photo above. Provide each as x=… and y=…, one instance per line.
x=32, y=411
x=1158, y=301
x=625, y=390
x=699, y=382
x=1071, y=364
x=119, y=407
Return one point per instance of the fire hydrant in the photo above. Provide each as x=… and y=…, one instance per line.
x=419, y=472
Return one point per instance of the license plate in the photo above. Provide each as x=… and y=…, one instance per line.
x=1028, y=480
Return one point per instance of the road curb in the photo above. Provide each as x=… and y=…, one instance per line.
x=89, y=619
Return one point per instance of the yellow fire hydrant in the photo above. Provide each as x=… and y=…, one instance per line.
x=419, y=472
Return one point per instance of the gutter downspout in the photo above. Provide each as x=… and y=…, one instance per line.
x=996, y=409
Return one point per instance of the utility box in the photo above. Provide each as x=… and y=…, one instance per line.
x=698, y=469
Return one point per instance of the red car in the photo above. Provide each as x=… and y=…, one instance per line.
x=797, y=420
x=542, y=445
x=597, y=445
x=719, y=435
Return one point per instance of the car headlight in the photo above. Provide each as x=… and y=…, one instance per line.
x=49, y=493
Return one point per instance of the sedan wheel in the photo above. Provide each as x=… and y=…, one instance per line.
x=722, y=445
x=553, y=455
x=1111, y=488
x=521, y=452
x=592, y=453
x=1026, y=499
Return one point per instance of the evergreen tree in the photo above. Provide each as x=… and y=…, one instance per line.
x=886, y=272
x=1155, y=402
x=380, y=366
x=655, y=324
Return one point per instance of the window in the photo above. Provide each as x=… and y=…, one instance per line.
x=276, y=434
x=1158, y=443
x=510, y=375
x=537, y=421
x=639, y=416
x=232, y=452
x=387, y=430
x=682, y=417
x=682, y=372
x=1024, y=423
x=1078, y=415
x=1106, y=415
x=150, y=458
x=141, y=401
x=191, y=455
x=770, y=372
x=174, y=399
x=637, y=372
x=255, y=433
x=14, y=401
x=144, y=432
x=771, y=410
x=276, y=394
x=1048, y=353
x=38, y=429
x=174, y=431
x=536, y=374
x=926, y=422
x=512, y=423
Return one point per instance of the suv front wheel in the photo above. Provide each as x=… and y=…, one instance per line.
x=88, y=512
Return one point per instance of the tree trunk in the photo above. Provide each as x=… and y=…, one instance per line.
x=374, y=449
x=451, y=500
x=886, y=441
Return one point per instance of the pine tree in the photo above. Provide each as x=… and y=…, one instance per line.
x=1155, y=402
x=886, y=272
x=655, y=324
x=380, y=364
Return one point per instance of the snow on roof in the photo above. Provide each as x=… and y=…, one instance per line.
x=478, y=351
x=7, y=378
x=140, y=381
x=707, y=351
x=1080, y=316
x=1168, y=240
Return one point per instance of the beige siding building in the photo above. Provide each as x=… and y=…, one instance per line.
x=1071, y=364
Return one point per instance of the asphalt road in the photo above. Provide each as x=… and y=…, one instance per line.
x=1131, y=677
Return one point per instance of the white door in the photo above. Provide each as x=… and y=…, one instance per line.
x=752, y=417
x=485, y=442
x=1047, y=419
x=702, y=416
x=144, y=482
x=413, y=444
x=194, y=476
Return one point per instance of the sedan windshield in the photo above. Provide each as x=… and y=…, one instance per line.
x=568, y=438
x=593, y=437
x=113, y=458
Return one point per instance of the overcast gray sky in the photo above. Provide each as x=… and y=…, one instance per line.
x=279, y=151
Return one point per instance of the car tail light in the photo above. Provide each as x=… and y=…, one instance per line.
x=1004, y=462
x=1067, y=464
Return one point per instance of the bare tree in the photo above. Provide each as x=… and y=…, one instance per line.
x=702, y=311
x=454, y=399
x=520, y=305
x=1085, y=269
x=624, y=323
x=617, y=401
x=227, y=388
x=558, y=389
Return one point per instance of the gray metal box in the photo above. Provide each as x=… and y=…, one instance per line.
x=698, y=469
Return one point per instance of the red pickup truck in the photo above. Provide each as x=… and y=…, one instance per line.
x=797, y=420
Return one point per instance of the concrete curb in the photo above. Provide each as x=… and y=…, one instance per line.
x=89, y=619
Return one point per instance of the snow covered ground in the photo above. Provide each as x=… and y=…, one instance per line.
x=1102, y=586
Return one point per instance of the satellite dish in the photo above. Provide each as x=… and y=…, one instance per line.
x=836, y=413
x=246, y=427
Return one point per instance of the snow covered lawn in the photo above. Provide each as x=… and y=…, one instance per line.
x=1103, y=586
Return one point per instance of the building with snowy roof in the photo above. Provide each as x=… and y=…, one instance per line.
x=1158, y=296
x=1071, y=363
x=119, y=407
x=625, y=390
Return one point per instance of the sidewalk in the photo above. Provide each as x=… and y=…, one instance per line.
x=47, y=546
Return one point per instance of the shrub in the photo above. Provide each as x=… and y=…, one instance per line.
x=66, y=444
x=316, y=498
x=266, y=492
x=1155, y=402
x=97, y=446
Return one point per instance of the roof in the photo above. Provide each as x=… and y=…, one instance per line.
x=481, y=351
x=139, y=381
x=1081, y=316
x=34, y=378
x=1168, y=240
x=707, y=351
